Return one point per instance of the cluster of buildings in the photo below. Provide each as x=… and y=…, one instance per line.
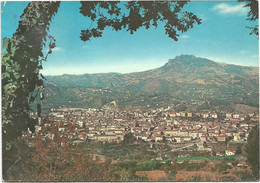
x=158, y=125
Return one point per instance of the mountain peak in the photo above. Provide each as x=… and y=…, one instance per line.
x=182, y=59
x=189, y=60
x=185, y=56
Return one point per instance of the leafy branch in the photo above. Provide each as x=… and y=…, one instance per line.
x=137, y=14
x=21, y=62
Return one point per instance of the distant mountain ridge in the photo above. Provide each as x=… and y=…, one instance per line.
x=185, y=80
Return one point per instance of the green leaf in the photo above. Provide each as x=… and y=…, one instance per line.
x=11, y=103
x=6, y=42
x=16, y=75
x=38, y=14
x=13, y=50
x=5, y=75
x=36, y=71
x=17, y=67
x=33, y=21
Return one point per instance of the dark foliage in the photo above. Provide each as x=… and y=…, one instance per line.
x=136, y=14
x=252, y=151
x=252, y=14
x=22, y=58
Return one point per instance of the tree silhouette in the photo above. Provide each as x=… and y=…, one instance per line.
x=252, y=151
x=135, y=15
x=252, y=15
x=22, y=58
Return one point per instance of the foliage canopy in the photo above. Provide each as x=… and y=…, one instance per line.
x=252, y=151
x=21, y=63
x=137, y=14
x=252, y=15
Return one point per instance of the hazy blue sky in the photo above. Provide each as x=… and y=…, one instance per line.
x=222, y=37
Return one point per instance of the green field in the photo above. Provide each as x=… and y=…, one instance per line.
x=205, y=158
x=192, y=158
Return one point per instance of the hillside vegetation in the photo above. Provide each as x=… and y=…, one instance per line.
x=185, y=82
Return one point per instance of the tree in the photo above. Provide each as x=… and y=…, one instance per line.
x=21, y=63
x=252, y=15
x=129, y=139
x=239, y=149
x=21, y=82
x=137, y=14
x=23, y=56
x=252, y=151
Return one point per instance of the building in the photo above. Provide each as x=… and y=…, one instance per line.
x=221, y=138
x=171, y=132
x=236, y=116
x=205, y=115
x=229, y=153
x=183, y=114
x=214, y=115
x=189, y=114
x=236, y=137
x=158, y=138
x=228, y=115
x=173, y=114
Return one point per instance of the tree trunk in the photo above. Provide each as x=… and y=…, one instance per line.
x=21, y=62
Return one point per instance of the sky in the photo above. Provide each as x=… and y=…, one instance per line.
x=222, y=37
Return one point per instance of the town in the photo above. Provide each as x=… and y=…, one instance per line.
x=204, y=131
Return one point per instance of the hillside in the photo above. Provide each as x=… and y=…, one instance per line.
x=183, y=82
